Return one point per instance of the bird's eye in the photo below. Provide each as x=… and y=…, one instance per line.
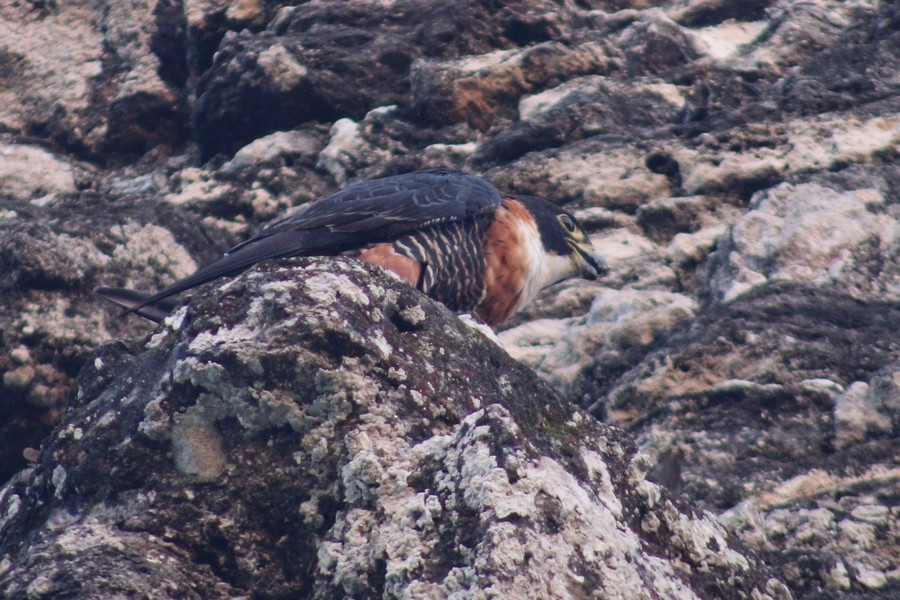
x=568, y=223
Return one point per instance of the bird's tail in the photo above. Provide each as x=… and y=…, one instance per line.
x=136, y=302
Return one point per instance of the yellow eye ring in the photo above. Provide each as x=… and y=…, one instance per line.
x=568, y=223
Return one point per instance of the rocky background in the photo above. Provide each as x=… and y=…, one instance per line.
x=736, y=162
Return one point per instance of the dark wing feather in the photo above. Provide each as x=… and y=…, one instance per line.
x=363, y=213
x=132, y=300
x=393, y=205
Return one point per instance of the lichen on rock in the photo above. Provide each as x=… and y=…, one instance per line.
x=319, y=461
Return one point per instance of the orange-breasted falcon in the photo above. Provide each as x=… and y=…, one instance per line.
x=449, y=234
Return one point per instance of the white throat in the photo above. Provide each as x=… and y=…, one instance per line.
x=550, y=268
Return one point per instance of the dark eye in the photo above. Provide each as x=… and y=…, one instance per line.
x=567, y=223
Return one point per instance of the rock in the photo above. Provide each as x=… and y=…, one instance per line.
x=770, y=401
x=614, y=333
x=725, y=41
x=580, y=108
x=483, y=89
x=52, y=255
x=266, y=442
x=698, y=13
x=856, y=416
x=665, y=218
x=320, y=61
x=30, y=171
x=607, y=173
x=797, y=32
x=208, y=21
x=349, y=151
x=87, y=78
x=262, y=181
x=735, y=159
x=843, y=75
x=815, y=232
x=655, y=44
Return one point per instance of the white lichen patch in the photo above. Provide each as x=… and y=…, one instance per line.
x=152, y=248
x=88, y=534
x=817, y=482
x=347, y=383
x=255, y=409
x=517, y=554
x=176, y=320
x=687, y=249
x=61, y=57
x=55, y=319
x=340, y=153
x=81, y=255
x=208, y=375
x=196, y=186
x=618, y=245
x=106, y=419
x=478, y=62
x=856, y=415
x=705, y=539
x=330, y=288
x=614, y=178
x=13, y=505
x=243, y=338
x=600, y=477
x=171, y=323
x=285, y=72
x=271, y=148
x=537, y=104
x=531, y=341
x=587, y=528
x=455, y=150
x=667, y=91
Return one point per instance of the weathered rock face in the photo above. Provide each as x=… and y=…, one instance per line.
x=735, y=161
x=317, y=429
x=90, y=78
x=52, y=255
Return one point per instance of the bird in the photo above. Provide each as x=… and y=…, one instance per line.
x=449, y=234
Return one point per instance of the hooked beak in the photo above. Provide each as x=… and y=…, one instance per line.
x=592, y=264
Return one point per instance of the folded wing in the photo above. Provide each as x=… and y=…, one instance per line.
x=367, y=212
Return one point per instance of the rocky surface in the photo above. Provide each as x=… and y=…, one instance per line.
x=736, y=162
x=316, y=429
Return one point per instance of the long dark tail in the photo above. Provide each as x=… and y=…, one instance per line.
x=137, y=302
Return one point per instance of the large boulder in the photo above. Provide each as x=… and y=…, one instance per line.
x=315, y=428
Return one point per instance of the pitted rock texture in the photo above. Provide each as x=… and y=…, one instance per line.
x=318, y=429
x=52, y=255
x=735, y=161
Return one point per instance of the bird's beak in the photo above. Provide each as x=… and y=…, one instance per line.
x=592, y=264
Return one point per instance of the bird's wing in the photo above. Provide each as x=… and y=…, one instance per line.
x=365, y=212
x=384, y=208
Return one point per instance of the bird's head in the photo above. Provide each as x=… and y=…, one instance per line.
x=567, y=248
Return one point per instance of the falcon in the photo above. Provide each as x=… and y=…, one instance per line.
x=449, y=234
